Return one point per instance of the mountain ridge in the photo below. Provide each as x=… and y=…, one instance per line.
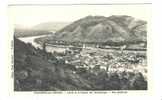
x=116, y=28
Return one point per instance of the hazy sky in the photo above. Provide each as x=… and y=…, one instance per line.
x=32, y=15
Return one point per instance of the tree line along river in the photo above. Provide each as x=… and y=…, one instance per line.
x=61, y=48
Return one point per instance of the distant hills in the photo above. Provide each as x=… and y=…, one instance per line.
x=40, y=29
x=30, y=32
x=50, y=26
x=116, y=28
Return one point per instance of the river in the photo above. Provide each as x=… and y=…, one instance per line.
x=31, y=40
x=48, y=48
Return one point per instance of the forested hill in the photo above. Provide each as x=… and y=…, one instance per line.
x=116, y=28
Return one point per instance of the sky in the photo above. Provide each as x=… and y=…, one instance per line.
x=28, y=16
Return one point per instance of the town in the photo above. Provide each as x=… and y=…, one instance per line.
x=111, y=60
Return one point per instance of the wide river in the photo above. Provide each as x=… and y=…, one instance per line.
x=48, y=48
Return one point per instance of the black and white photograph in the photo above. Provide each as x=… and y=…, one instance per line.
x=80, y=47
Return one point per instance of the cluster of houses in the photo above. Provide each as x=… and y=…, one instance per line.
x=108, y=61
x=91, y=57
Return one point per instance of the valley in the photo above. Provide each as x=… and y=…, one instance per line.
x=92, y=53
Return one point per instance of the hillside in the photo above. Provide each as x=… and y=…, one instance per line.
x=104, y=29
x=34, y=71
